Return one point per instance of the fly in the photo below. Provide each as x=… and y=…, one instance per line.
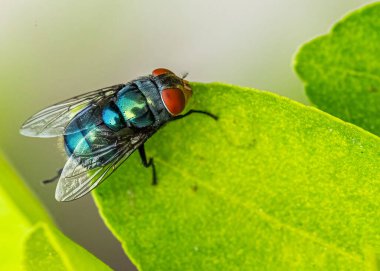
x=102, y=128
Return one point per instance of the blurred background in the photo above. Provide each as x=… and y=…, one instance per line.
x=52, y=50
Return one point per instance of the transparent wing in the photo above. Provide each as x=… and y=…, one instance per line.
x=52, y=121
x=84, y=171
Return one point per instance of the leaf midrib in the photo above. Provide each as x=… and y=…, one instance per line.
x=265, y=216
x=50, y=236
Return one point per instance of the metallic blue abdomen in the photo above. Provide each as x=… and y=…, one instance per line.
x=85, y=133
x=87, y=143
x=112, y=117
x=78, y=128
x=72, y=140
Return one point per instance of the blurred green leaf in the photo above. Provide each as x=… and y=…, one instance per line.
x=29, y=239
x=47, y=248
x=341, y=70
x=271, y=185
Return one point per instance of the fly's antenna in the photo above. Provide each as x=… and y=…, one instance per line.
x=54, y=178
x=185, y=75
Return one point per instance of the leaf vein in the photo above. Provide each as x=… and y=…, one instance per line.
x=267, y=217
x=346, y=71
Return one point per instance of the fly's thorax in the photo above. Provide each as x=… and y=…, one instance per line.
x=134, y=108
x=148, y=101
x=151, y=91
x=128, y=109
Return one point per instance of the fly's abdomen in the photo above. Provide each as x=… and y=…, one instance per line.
x=91, y=143
x=72, y=141
x=130, y=109
x=85, y=134
x=79, y=127
x=112, y=117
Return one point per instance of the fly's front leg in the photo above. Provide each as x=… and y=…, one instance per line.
x=198, y=112
x=147, y=163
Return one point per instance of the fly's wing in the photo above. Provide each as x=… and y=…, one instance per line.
x=84, y=171
x=52, y=121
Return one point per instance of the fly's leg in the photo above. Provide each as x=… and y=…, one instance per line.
x=147, y=164
x=54, y=178
x=195, y=111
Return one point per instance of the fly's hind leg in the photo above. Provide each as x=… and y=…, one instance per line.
x=54, y=178
x=147, y=163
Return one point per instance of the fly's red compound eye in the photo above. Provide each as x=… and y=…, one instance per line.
x=160, y=71
x=174, y=100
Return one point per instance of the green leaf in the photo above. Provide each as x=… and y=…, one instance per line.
x=39, y=254
x=271, y=185
x=29, y=239
x=46, y=247
x=341, y=70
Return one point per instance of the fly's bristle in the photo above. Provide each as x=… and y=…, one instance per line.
x=61, y=147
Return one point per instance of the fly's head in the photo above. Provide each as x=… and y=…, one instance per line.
x=175, y=91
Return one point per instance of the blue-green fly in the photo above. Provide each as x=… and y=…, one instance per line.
x=103, y=127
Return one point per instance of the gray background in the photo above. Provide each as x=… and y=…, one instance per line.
x=52, y=50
